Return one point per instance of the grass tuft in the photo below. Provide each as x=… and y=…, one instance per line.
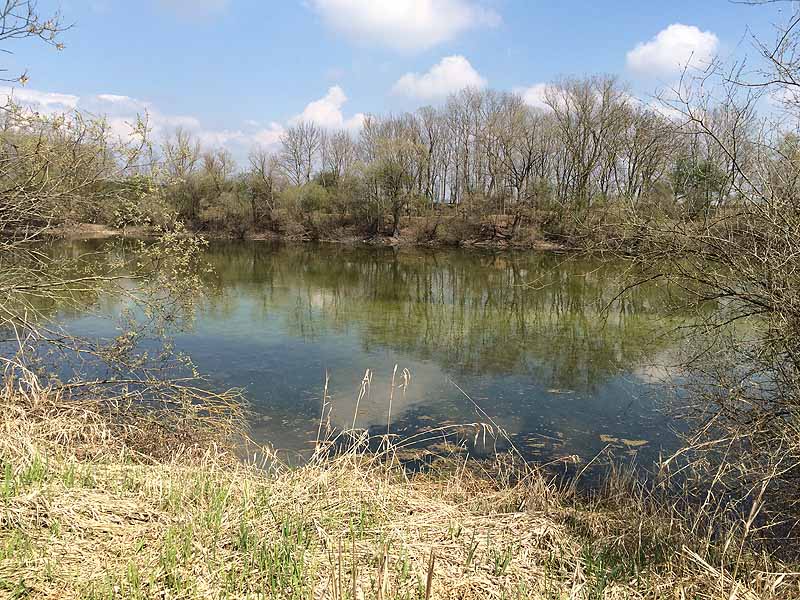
x=84, y=516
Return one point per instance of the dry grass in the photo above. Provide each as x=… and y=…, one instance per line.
x=82, y=515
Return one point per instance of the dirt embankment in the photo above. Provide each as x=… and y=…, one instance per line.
x=407, y=237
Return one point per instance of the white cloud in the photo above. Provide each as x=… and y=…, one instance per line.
x=113, y=98
x=113, y=105
x=451, y=74
x=268, y=137
x=121, y=113
x=404, y=24
x=666, y=110
x=327, y=112
x=672, y=49
x=43, y=102
x=535, y=95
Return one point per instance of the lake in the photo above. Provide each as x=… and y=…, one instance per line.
x=528, y=337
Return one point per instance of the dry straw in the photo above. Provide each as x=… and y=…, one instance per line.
x=85, y=513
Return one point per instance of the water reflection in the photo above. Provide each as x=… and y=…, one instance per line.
x=526, y=336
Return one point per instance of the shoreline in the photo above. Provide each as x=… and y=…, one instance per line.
x=86, y=515
x=85, y=231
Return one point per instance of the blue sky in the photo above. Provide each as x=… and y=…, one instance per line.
x=237, y=71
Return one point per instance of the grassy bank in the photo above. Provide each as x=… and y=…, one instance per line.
x=88, y=513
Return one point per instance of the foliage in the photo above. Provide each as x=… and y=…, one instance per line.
x=699, y=183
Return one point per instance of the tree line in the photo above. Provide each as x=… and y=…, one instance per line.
x=484, y=165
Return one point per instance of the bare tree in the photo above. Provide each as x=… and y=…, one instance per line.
x=218, y=166
x=181, y=154
x=738, y=265
x=264, y=179
x=340, y=154
x=300, y=148
x=590, y=116
x=21, y=19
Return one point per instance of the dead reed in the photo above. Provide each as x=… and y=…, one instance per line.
x=86, y=514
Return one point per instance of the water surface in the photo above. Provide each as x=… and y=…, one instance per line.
x=529, y=337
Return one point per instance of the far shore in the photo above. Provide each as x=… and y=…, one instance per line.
x=86, y=231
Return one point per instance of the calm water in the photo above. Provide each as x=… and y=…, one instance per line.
x=524, y=335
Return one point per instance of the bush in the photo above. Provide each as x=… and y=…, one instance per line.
x=457, y=230
x=228, y=212
x=424, y=229
x=303, y=200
